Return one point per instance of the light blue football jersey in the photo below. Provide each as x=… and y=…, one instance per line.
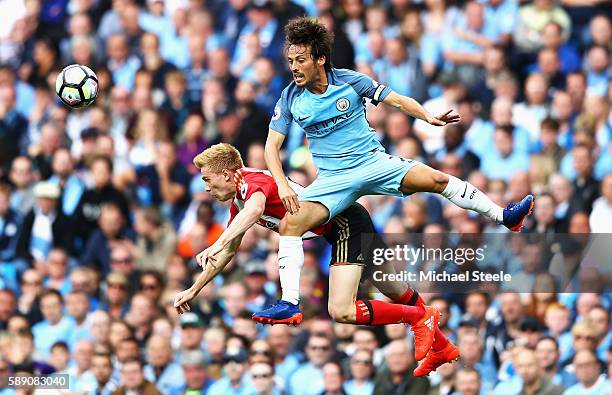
x=334, y=122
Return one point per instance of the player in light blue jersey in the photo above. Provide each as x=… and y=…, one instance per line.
x=329, y=104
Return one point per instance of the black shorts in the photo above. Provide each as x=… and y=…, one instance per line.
x=353, y=237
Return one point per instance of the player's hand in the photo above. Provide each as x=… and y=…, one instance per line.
x=182, y=299
x=289, y=199
x=444, y=119
x=214, y=249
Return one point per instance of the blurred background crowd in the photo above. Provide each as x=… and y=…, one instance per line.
x=101, y=210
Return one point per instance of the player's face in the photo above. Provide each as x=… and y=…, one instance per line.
x=220, y=185
x=304, y=69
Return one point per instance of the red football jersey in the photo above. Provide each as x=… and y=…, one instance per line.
x=248, y=181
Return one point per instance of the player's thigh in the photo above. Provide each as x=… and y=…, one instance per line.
x=310, y=215
x=343, y=285
x=423, y=178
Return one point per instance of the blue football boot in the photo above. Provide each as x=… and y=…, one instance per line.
x=515, y=213
x=281, y=312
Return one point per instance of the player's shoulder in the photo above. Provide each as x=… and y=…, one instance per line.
x=248, y=173
x=247, y=176
x=348, y=75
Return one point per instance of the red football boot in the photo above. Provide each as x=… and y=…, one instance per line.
x=435, y=359
x=424, y=331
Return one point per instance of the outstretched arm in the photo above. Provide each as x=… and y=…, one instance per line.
x=273, y=161
x=212, y=268
x=253, y=210
x=411, y=107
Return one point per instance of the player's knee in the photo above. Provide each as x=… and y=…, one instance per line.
x=339, y=313
x=440, y=180
x=291, y=225
x=285, y=227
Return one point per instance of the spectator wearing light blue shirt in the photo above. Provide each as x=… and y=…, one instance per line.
x=77, y=306
x=248, y=50
x=401, y=73
x=362, y=369
x=280, y=339
x=503, y=160
x=370, y=49
x=308, y=378
x=161, y=370
x=235, y=381
x=82, y=378
x=155, y=20
x=196, y=72
x=25, y=97
x=590, y=379
x=21, y=176
x=464, y=47
x=263, y=379
x=262, y=23
x=269, y=84
x=547, y=351
x=121, y=64
x=55, y=326
x=504, y=13
x=531, y=112
x=102, y=368
x=111, y=21
x=175, y=41
x=63, y=176
x=231, y=17
x=598, y=71
x=582, y=137
x=57, y=271
x=471, y=348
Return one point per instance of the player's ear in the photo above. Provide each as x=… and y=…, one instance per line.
x=226, y=174
x=321, y=61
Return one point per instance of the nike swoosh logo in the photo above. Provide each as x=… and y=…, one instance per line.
x=304, y=118
x=462, y=196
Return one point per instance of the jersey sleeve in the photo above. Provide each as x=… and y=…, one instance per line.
x=364, y=85
x=282, y=118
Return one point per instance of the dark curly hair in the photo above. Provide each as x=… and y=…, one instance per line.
x=310, y=33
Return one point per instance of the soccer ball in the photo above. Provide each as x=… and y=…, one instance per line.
x=77, y=86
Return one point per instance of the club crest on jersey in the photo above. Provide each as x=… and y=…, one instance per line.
x=277, y=113
x=343, y=104
x=243, y=189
